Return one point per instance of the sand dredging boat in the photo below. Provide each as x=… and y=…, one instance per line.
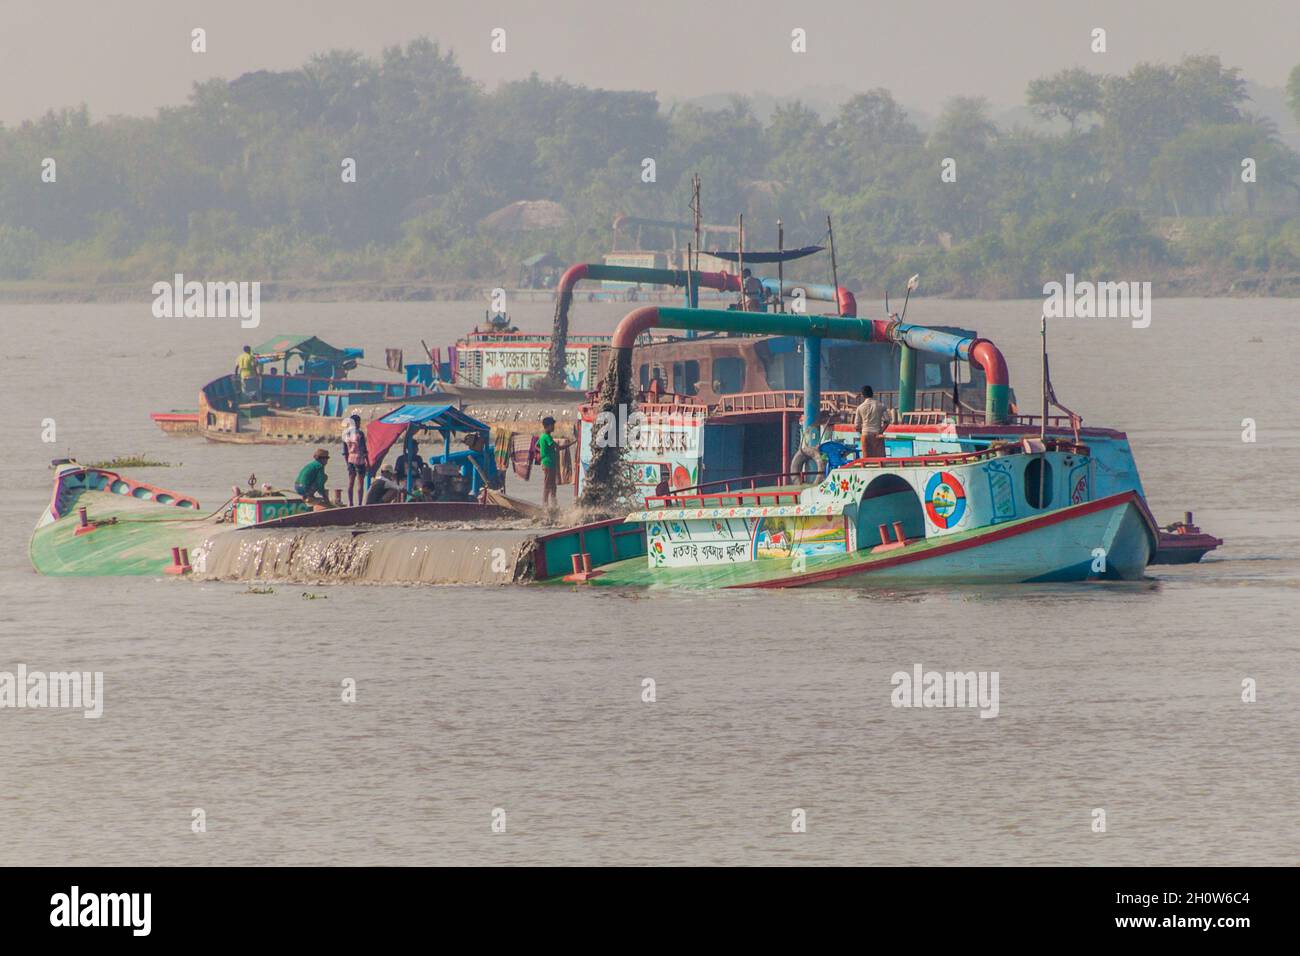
x=446, y=523
x=960, y=496
x=102, y=523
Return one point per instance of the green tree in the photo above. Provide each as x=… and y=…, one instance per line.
x=1068, y=94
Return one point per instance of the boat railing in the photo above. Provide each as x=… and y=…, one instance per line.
x=780, y=400
x=1053, y=421
x=975, y=416
x=651, y=404
x=527, y=338
x=749, y=482
x=733, y=499
x=934, y=401
x=299, y=391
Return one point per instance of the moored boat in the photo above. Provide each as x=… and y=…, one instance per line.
x=1013, y=513
x=303, y=393
x=957, y=496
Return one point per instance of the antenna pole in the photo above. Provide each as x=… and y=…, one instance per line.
x=835, y=274
x=695, y=209
x=740, y=261
x=780, y=266
x=1042, y=468
x=1043, y=429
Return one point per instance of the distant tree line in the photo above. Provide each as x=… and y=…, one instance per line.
x=1163, y=170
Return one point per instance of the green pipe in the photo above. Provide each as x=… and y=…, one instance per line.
x=907, y=379
x=996, y=390
x=764, y=323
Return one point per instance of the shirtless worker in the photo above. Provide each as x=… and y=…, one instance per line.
x=870, y=418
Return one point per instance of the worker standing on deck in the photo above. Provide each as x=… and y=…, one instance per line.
x=752, y=293
x=548, y=454
x=357, y=457
x=311, y=480
x=810, y=440
x=246, y=371
x=870, y=418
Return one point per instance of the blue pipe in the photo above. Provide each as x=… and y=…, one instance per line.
x=845, y=303
x=812, y=379
x=932, y=340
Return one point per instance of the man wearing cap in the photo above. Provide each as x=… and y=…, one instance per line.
x=311, y=480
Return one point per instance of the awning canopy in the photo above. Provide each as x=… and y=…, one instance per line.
x=756, y=257
x=306, y=345
x=382, y=434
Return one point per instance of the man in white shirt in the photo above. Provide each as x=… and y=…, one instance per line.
x=870, y=418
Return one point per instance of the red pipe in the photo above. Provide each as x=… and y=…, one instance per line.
x=988, y=357
x=633, y=324
x=845, y=301
x=571, y=277
x=721, y=281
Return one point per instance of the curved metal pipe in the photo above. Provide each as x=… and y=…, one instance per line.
x=755, y=323
x=980, y=352
x=845, y=302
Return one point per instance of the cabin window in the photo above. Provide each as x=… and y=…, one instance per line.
x=643, y=376
x=1038, y=474
x=784, y=370
x=728, y=375
x=933, y=374
x=686, y=376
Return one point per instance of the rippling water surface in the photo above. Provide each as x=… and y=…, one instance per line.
x=1122, y=697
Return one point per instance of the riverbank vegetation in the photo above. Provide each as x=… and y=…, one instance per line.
x=1162, y=173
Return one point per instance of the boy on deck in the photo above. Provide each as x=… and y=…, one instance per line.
x=548, y=450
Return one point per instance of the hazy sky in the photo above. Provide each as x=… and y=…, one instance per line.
x=132, y=56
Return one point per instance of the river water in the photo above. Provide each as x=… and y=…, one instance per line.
x=1121, y=698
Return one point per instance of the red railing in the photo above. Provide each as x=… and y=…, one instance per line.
x=785, y=400
x=724, y=499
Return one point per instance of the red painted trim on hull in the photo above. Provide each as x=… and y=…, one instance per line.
x=967, y=429
x=1034, y=524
